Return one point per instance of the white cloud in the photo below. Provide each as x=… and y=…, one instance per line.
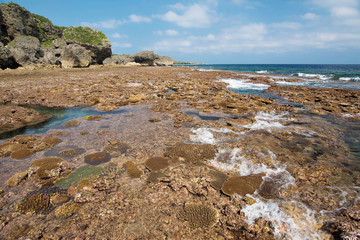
x=138, y=19
x=112, y=23
x=171, y=32
x=335, y=3
x=287, y=25
x=344, y=12
x=122, y=45
x=193, y=16
x=118, y=35
x=310, y=16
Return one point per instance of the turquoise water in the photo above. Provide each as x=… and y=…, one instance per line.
x=60, y=117
x=317, y=75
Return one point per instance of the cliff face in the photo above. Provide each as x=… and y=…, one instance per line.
x=51, y=45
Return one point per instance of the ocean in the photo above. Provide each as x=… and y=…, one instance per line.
x=314, y=75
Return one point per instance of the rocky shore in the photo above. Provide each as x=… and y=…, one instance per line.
x=182, y=157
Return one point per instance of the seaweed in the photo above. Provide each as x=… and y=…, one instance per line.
x=82, y=172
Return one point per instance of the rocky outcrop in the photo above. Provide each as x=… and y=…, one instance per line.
x=25, y=50
x=164, y=61
x=29, y=39
x=145, y=58
x=118, y=60
x=6, y=58
x=75, y=56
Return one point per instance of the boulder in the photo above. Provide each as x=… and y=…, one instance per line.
x=118, y=60
x=54, y=52
x=6, y=58
x=75, y=56
x=164, y=61
x=146, y=58
x=25, y=50
x=93, y=40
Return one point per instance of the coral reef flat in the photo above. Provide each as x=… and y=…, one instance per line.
x=174, y=153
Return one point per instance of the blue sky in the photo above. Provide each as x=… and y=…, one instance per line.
x=214, y=31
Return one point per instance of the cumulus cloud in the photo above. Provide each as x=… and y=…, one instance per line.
x=118, y=35
x=112, y=23
x=192, y=16
x=138, y=19
x=122, y=45
x=310, y=16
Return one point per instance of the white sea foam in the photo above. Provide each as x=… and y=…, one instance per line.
x=350, y=78
x=300, y=223
x=262, y=71
x=202, y=135
x=244, y=84
x=266, y=121
x=318, y=76
x=237, y=163
x=284, y=83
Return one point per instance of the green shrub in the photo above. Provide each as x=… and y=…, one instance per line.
x=84, y=35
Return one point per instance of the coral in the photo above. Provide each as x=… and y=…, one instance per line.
x=67, y=152
x=132, y=169
x=92, y=118
x=17, y=179
x=191, y=152
x=36, y=203
x=117, y=147
x=156, y=163
x=242, y=185
x=198, y=215
x=154, y=177
x=97, y=158
x=84, y=184
x=72, y=123
x=67, y=209
x=219, y=179
x=79, y=174
x=46, y=167
x=59, y=198
x=22, y=153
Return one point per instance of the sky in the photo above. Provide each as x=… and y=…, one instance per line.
x=215, y=32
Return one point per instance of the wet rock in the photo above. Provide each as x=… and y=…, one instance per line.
x=117, y=147
x=72, y=123
x=198, y=215
x=242, y=185
x=19, y=231
x=17, y=179
x=97, y=158
x=15, y=117
x=66, y=152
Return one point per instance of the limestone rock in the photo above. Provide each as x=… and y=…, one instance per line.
x=25, y=50
x=118, y=60
x=164, y=61
x=146, y=58
x=75, y=56
x=6, y=58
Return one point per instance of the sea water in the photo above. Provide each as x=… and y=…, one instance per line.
x=315, y=75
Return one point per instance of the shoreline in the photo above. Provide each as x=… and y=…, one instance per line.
x=180, y=140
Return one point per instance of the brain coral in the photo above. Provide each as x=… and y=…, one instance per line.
x=67, y=209
x=198, y=215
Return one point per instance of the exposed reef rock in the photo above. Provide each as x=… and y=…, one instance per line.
x=145, y=58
